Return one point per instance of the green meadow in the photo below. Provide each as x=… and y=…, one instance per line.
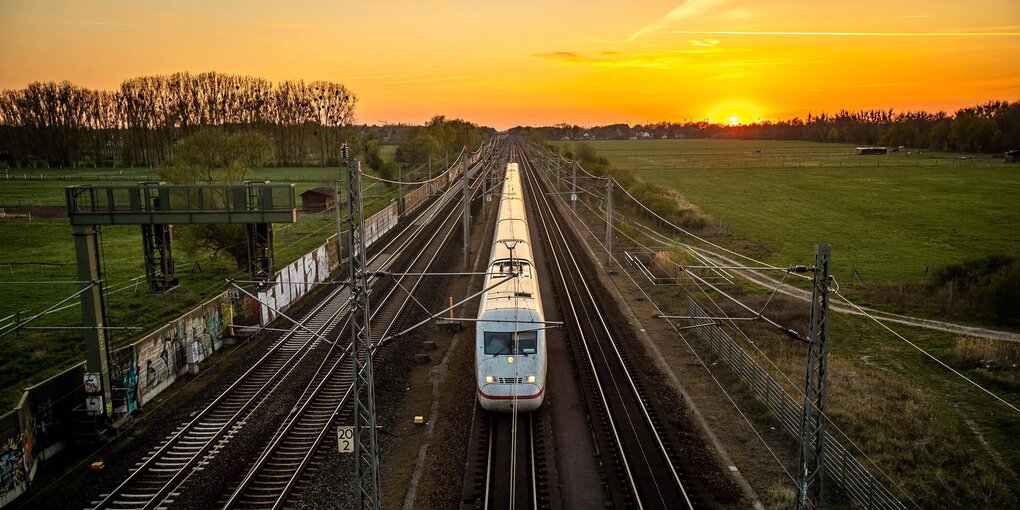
x=891, y=217
x=37, y=262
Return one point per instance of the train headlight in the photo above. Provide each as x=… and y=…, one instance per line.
x=490, y=379
x=509, y=359
x=530, y=378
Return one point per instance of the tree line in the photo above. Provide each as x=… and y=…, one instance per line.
x=141, y=123
x=988, y=128
x=438, y=138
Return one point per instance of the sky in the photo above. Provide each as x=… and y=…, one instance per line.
x=544, y=62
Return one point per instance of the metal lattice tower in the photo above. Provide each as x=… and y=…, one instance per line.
x=466, y=219
x=365, y=451
x=609, y=220
x=157, y=240
x=812, y=423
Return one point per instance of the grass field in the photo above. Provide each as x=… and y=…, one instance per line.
x=890, y=217
x=946, y=442
x=36, y=255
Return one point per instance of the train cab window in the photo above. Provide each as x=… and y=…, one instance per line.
x=498, y=343
x=527, y=342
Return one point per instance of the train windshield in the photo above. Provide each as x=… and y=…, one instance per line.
x=527, y=342
x=500, y=343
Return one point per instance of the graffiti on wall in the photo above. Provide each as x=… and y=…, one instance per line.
x=163, y=355
x=380, y=223
x=13, y=468
x=292, y=282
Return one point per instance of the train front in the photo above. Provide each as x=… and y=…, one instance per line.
x=510, y=364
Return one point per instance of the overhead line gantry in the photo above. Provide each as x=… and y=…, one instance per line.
x=156, y=207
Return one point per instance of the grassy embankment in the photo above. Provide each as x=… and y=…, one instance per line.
x=890, y=217
x=41, y=251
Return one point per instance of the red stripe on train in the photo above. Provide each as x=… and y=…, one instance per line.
x=510, y=397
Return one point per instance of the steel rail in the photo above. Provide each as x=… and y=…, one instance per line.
x=245, y=408
x=583, y=285
x=308, y=399
x=149, y=499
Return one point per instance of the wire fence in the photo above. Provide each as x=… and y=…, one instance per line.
x=841, y=466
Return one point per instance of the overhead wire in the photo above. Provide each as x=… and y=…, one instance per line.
x=927, y=354
x=800, y=393
x=835, y=290
x=683, y=230
x=650, y=300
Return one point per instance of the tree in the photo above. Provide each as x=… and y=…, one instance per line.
x=210, y=156
x=373, y=158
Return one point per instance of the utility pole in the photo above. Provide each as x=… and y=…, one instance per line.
x=467, y=209
x=98, y=391
x=400, y=188
x=609, y=220
x=573, y=187
x=365, y=451
x=812, y=422
x=559, y=176
x=336, y=207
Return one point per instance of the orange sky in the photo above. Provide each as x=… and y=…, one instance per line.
x=542, y=62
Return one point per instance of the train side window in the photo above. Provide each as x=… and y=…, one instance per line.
x=527, y=342
x=498, y=342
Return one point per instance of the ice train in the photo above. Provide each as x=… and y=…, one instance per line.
x=510, y=353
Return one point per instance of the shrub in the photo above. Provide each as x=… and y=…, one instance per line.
x=991, y=284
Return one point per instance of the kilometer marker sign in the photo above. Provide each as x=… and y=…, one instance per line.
x=345, y=439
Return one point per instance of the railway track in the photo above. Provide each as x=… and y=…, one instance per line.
x=627, y=426
x=293, y=456
x=156, y=480
x=507, y=468
x=164, y=468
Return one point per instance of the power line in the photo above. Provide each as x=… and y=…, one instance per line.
x=685, y=231
x=726, y=317
x=705, y=366
x=926, y=353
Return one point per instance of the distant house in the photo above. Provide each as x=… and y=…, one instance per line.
x=1013, y=156
x=318, y=199
x=864, y=151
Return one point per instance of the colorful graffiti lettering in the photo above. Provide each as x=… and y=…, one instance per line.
x=12, y=464
x=292, y=282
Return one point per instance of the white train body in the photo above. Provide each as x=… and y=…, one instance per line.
x=510, y=354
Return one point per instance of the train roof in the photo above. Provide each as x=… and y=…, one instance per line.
x=511, y=252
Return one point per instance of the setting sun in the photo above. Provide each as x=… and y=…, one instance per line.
x=734, y=112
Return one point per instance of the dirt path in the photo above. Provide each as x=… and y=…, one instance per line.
x=767, y=281
x=804, y=295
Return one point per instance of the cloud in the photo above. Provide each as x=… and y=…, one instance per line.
x=687, y=9
x=646, y=60
x=704, y=43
